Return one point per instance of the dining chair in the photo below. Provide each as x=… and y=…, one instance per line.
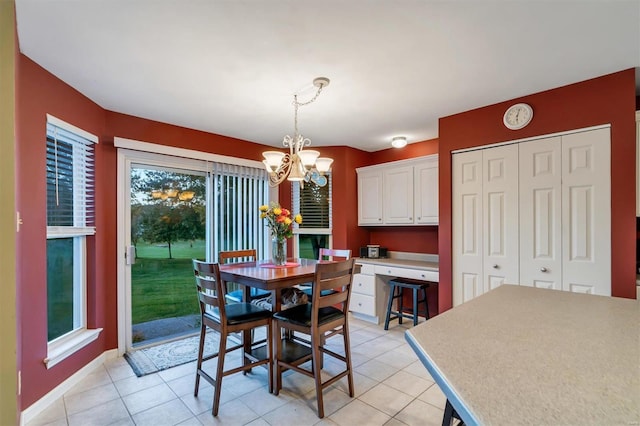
x=326, y=316
x=327, y=254
x=226, y=319
x=248, y=255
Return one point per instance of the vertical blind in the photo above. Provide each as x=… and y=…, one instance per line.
x=70, y=180
x=237, y=194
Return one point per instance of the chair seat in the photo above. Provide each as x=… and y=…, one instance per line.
x=309, y=290
x=301, y=315
x=236, y=295
x=238, y=313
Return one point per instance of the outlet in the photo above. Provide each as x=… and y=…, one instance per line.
x=19, y=382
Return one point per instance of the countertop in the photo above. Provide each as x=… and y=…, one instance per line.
x=426, y=262
x=523, y=355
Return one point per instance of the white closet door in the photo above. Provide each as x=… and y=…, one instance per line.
x=500, y=216
x=586, y=212
x=540, y=213
x=467, y=226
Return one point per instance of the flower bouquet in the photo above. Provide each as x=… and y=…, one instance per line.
x=280, y=225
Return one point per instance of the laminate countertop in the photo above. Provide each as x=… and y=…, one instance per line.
x=523, y=355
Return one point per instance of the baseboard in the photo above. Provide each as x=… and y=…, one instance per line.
x=43, y=403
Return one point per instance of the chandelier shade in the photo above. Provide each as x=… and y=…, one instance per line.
x=299, y=164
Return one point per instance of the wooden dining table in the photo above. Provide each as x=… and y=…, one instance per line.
x=266, y=276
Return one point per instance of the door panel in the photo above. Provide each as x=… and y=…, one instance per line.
x=467, y=226
x=540, y=213
x=586, y=212
x=500, y=212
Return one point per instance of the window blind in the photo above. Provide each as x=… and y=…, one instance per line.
x=70, y=178
x=238, y=192
x=313, y=202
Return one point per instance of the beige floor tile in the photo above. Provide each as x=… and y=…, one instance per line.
x=408, y=383
x=386, y=399
x=258, y=422
x=294, y=413
x=120, y=371
x=54, y=412
x=134, y=384
x=98, y=378
x=230, y=413
x=396, y=358
x=168, y=413
x=123, y=422
x=394, y=422
x=377, y=347
x=191, y=421
x=104, y=414
x=418, y=369
x=148, y=398
x=185, y=385
x=262, y=402
x=356, y=413
x=434, y=396
x=204, y=401
x=376, y=370
x=77, y=402
x=420, y=413
x=179, y=371
x=333, y=399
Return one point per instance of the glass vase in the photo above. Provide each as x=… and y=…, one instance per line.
x=279, y=251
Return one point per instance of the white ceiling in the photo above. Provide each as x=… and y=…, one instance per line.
x=232, y=66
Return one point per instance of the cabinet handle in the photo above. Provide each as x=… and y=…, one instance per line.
x=543, y=269
x=410, y=219
x=359, y=284
x=496, y=266
x=379, y=218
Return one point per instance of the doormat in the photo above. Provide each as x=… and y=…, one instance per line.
x=160, y=357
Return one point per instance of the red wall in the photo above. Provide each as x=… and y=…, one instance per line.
x=603, y=100
x=39, y=93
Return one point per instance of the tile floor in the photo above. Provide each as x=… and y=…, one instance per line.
x=391, y=388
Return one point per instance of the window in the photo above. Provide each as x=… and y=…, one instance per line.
x=313, y=202
x=70, y=219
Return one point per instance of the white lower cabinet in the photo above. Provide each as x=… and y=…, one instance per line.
x=368, y=295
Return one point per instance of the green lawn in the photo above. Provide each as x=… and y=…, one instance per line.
x=162, y=287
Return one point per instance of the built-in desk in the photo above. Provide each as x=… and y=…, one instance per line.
x=370, y=290
x=524, y=355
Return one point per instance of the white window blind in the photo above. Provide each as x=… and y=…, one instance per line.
x=313, y=202
x=70, y=182
x=238, y=192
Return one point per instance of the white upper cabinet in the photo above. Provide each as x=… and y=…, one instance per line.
x=399, y=193
x=370, y=197
x=425, y=184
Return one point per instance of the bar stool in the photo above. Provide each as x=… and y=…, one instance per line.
x=397, y=285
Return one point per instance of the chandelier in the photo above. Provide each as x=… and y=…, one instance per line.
x=299, y=164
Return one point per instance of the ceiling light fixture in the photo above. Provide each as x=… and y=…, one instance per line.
x=299, y=164
x=399, y=142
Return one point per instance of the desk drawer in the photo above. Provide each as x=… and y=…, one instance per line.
x=362, y=304
x=364, y=284
x=367, y=269
x=416, y=274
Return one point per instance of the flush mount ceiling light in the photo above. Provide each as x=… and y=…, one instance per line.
x=399, y=142
x=299, y=164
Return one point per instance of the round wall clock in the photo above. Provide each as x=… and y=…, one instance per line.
x=517, y=116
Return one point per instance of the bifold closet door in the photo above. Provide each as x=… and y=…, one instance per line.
x=467, y=244
x=485, y=221
x=500, y=216
x=586, y=212
x=541, y=213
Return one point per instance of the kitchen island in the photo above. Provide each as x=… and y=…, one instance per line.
x=523, y=355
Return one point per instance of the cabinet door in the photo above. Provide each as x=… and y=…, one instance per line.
x=370, y=198
x=398, y=195
x=500, y=216
x=540, y=213
x=586, y=212
x=426, y=192
x=467, y=226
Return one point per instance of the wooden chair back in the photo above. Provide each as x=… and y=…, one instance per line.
x=336, y=276
x=343, y=254
x=248, y=255
x=210, y=289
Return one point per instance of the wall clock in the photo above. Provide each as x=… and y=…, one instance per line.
x=517, y=116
